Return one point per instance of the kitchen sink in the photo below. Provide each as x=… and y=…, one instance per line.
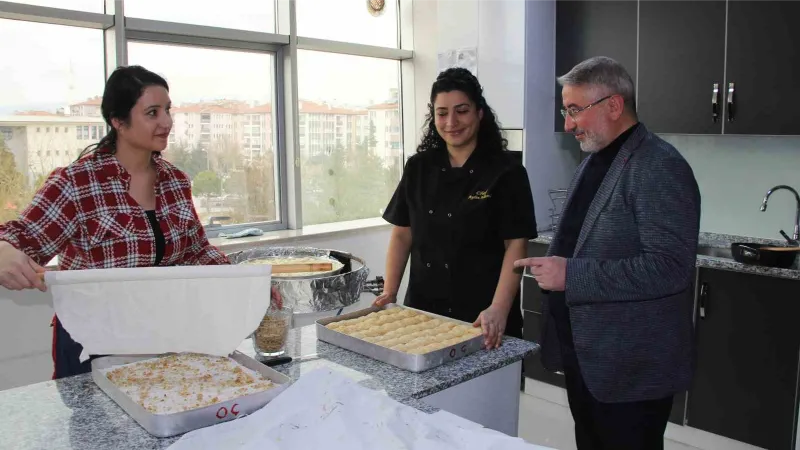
x=715, y=252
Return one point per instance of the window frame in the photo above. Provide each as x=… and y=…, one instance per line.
x=120, y=30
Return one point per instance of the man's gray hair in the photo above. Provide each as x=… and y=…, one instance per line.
x=606, y=73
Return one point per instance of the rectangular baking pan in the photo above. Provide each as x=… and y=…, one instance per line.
x=413, y=363
x=166, y=425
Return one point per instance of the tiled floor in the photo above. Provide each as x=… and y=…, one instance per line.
x=544, y=419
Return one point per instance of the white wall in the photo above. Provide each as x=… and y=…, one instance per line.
x=501, y=58
x=550, y=158
x=426, y=46
x=734, y=173
x=26, y=336
x=496, y=28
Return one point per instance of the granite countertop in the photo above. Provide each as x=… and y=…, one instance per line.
x=73, y=413
x=722, y=241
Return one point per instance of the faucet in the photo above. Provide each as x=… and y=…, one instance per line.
x=796, y=236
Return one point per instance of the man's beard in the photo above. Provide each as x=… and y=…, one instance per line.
x=592, y=141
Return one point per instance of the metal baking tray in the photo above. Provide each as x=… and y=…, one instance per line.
x=166, y=425
x=413, y=363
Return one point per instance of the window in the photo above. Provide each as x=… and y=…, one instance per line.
x=226, y=180
x=68, y=66
x=95, y=6
x=252, y=15
x=348, y=21
x=334, y=186
x=227, y=113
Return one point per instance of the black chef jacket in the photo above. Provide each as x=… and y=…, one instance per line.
x=460, y=218
x=570, y=227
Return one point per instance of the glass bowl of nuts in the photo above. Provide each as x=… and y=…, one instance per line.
x=269, y=339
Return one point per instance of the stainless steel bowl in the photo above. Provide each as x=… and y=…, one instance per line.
x=314, y=293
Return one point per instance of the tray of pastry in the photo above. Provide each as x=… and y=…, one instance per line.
x=173, y=394
x=403, y=337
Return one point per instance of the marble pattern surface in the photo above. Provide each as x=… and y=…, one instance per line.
x=74, y=413
x=724, y=241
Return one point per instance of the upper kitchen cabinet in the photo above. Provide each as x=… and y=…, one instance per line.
x=707, y=67
x=681, y=66
x=763, y=67
x=593, y=28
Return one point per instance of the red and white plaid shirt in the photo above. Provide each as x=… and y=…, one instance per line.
x=84, y=214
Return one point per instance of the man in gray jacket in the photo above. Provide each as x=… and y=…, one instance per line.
x=620, y=269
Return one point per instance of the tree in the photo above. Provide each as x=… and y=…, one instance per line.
x=206, y=183
x=14, y=191
x=347, y=185
x=372, y=142
x=188, y=159
x=260, y=188
x=225, y=155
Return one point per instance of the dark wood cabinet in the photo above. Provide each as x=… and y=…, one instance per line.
x=681, y=62
x=532, y=365
x=532, y=323
x=678, y=51
x=531, y=294
x=593, y=28
x=763, y=63
x=746, y=380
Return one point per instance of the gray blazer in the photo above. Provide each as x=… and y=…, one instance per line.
x=629, y=282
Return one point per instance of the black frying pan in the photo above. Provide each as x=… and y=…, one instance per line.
x=756, y=254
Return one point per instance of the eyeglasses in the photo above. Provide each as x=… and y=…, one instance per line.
x=574, y=111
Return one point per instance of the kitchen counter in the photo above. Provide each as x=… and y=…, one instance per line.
x=722, y=241
x=74, y=413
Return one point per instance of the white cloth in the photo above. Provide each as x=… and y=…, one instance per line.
x=323, y=409
x=154, y=310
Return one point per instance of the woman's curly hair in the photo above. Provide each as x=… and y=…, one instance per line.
x=490, y=139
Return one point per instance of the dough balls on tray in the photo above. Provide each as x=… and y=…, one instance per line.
x=405, y=330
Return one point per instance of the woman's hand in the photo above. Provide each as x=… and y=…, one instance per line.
x=385, y=299
x=18, y=271
x=275, y=298
x=493, y=323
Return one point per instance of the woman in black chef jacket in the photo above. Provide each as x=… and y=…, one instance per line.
x=464, y=212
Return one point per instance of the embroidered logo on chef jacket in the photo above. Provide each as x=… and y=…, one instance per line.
x=480, y=195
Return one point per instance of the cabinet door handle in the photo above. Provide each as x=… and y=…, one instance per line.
x=703, y=300
x=715, y=103
x=730, y=102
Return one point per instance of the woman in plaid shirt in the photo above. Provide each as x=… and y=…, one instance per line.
x=119, y=205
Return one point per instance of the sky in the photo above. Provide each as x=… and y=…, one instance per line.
x=49, y=66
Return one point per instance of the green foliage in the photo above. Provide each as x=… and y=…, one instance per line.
x=15, y=194
x=348, y=183
x=206, y=183
x=192, y=161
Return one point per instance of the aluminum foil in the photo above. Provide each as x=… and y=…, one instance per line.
x=315, y=294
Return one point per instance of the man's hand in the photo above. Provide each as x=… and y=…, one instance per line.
x=550, y=271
